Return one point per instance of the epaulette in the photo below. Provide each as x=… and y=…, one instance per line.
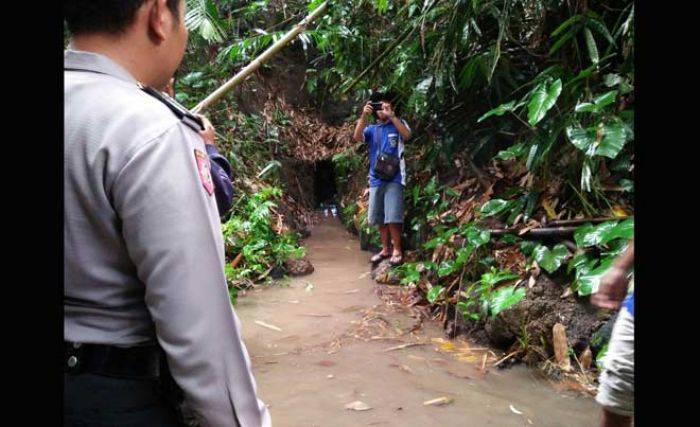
x=181, y=112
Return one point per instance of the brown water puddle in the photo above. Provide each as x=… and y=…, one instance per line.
x=338, y=344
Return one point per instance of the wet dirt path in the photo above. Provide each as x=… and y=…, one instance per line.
x=335, y=345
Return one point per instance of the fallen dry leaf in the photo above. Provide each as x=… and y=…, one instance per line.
x=268, y=326
x=561, y=346
x=444, y=400
x=358, y=406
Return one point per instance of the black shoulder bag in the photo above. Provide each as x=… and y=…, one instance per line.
x=387, y=165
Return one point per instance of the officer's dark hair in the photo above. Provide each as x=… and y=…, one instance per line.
x=111, y=16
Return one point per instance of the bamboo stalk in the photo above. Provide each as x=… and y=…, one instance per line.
x=257, y=62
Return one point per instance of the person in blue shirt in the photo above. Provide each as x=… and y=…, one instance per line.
x=221, y=172
x=385, y=211
x=616, y=390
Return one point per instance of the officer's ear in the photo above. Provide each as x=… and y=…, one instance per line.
x=159, y=20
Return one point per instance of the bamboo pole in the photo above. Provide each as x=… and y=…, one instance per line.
x=262, y=58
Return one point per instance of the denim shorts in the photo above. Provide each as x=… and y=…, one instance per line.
x=386, y=204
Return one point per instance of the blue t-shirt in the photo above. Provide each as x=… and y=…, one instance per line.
x=385, y=137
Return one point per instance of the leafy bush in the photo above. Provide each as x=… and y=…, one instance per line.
x=250, y=231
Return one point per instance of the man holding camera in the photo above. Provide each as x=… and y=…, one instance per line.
x=387, y=172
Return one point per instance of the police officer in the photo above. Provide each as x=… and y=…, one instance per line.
x=146, y=309
x=221, y=172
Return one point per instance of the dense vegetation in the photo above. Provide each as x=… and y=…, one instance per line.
x=523, y=117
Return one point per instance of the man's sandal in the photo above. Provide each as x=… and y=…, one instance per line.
x=378, y=257
x=396, y=260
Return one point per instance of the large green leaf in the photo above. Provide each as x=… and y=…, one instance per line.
x=623, y=230
x=543, y=98
x=596, y=235
x=598, y=103
x=614, y=138
x=591, y=235
x=494, y=207
x=550, y=259
x=588, y=283
x=433, y=294
x=504, y=298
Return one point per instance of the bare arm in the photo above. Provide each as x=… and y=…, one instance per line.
x=613, y=286
x=403, y=130
x=358, y=135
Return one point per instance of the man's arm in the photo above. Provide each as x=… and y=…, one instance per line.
x=400, y=126
x=173, y=236
x=221, y=173
x=359, y=135
x=613, y=286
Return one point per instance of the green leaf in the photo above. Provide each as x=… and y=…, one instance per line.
x=504, y=298
x=527, y=247
x=477, y=237
x=498, y=111
x=566, y=24
x=590, y=44
x=512, y=152
x=494, y=276
x=614, y=139
x=550, y=259
x=598, y=103
x=589, y=235
x=583, y=139
x=623, y=230
x=601, y=29
x=494, y=207
x=463, y=254
x=543, y=98
x=446, y=268
x=433, y=294
x=588, y=283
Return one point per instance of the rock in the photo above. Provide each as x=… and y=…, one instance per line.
x=503, y=329
x=561, y=346
x=383, y=274
x=299, y=267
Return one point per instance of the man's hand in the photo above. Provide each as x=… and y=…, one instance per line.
x=208, y=133
x=388, y=110
x=365, y=193
x=612, y=290
x=367, y=110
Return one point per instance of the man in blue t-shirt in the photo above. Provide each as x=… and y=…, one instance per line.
x=616, y=390
x=386, y=136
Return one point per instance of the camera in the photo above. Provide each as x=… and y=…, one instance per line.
x=376, y=106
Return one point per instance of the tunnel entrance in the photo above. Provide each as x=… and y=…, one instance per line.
x=325, y=192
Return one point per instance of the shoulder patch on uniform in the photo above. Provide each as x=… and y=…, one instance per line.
x=204, y=169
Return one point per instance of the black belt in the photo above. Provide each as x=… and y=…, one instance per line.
x=131, y=362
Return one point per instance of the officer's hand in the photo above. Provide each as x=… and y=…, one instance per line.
x=367, y=110
x=208, y=133
x=612, y=289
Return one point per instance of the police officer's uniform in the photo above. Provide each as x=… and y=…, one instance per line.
x=144, y=254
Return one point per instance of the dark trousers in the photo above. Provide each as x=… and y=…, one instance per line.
x=101, y=401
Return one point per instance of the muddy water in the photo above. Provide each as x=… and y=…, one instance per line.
x=337, y=344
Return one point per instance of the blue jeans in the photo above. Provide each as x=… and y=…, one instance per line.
x=386, y=204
